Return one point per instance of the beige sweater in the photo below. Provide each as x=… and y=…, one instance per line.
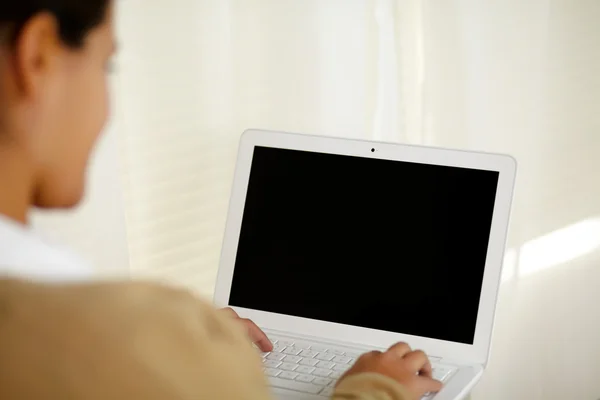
x=125, y=342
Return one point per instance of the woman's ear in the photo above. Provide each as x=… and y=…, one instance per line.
x=36, y=52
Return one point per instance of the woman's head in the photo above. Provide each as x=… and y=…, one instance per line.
x=53, y=92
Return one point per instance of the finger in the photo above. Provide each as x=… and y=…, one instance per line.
x=425, y=385
x=399, y=350
x=370, y=354
x=418, y=362
x=231, y=312
x=257, y=336
x=365, y=357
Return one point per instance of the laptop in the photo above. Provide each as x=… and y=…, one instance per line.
x=336, y=247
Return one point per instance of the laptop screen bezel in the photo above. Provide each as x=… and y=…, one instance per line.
x=478, y=352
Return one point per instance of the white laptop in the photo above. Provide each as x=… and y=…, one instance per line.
x=336, y=247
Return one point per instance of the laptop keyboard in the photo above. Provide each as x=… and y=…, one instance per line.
x=314, y=368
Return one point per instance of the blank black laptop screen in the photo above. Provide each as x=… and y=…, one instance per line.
x=388, y=245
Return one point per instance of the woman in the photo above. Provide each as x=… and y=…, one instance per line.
x=117, y=341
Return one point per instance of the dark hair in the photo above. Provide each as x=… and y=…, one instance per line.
x=76, y=18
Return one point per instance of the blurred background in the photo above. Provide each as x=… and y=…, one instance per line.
x=510, y=76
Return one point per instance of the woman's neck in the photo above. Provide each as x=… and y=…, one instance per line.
x=16, y=184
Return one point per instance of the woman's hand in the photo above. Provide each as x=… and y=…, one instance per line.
x=258, y=337
x=410, y=368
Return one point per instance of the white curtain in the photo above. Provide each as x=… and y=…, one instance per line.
x=508, y=76
x=193, y=75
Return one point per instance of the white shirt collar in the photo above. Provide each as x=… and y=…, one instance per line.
x=24, y=254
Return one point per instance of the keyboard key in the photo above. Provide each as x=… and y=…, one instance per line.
x=288, y=366
x=322, y=381
x=325, y=356
x=285, y=342
x=292, y=359
x=311, y=362
x=305, y=369
x=308, y=353
x=328, y=391
x=336, y=375
x=272, y=371
x=325, y=364
x=341, y=360
x=341, y=367
x=292, y=351
x=295, y=385
x=319, y=348
x=271, y=363
x=304, y=378
x=324, y=373
x=352, y=354
x=440, y=372
x=276, y=356
x=278, y=348
x=287, y=375
x=302, y=345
